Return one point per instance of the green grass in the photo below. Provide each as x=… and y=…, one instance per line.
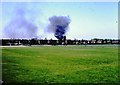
x=60, y=64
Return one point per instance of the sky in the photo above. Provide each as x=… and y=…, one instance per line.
x=60, y=0
x=88, y=19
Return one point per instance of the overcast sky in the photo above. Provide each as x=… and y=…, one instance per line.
x=88, y=19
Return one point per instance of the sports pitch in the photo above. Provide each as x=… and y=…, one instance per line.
x=60, y=64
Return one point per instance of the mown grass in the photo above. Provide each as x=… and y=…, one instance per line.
x=60, y=64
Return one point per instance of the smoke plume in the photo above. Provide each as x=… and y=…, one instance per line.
x=19, y=26
x=59, y=25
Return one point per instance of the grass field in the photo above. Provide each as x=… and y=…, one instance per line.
x=60, y=64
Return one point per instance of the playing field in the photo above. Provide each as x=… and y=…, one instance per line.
x=60, y=64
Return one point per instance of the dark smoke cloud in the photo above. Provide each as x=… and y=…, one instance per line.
x=19, y=26
x=59, y=25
